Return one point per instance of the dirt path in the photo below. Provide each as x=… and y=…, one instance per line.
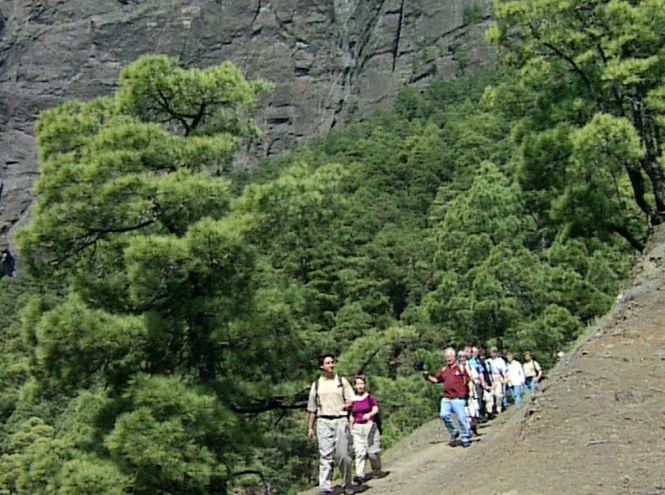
x=596, y=427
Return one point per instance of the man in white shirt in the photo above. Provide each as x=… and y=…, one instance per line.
x=330, y=398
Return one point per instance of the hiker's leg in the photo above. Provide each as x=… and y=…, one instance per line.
x=359, y=432
x=374, y=447
x=517, y=394
x=446, y=410
x=343, y=449
x=325, y=435
x=458, y=407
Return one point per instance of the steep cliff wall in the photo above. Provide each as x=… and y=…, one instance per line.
x=329, y=60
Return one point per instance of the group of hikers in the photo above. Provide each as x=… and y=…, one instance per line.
x=345, y=420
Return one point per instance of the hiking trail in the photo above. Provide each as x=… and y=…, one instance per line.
x=596, y=426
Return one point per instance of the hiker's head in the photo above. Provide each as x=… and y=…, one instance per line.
x=527, y=356
x=474, y=351
x=462, y=356
x=449, y=353
x=327, y=363
x=360, y=384
x=510, y=357
x=494, y=352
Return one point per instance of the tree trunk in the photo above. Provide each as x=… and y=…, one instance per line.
x=623, y=232
x=644, y=124
x=655, y=173
x=637, y=182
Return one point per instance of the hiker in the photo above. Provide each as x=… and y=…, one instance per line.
x=533, y=372
x=486, y=396
x=330, y=400
x=455, y=387
x=472, y=408
x=365, y=430
x=498, y=371
x=515, y=378
x=480, y=385
x=8, y=264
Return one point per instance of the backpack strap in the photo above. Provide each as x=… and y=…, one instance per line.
x=316, y=394
x=341, y=384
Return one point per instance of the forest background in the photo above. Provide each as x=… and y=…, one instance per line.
x=167, y=323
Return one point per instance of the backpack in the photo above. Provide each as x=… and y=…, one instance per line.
x=377, y=421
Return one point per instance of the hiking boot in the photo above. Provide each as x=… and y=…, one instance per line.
x=466, y=444
x=377, y=475
x=349, y=491
x=358, y=480
x=454, y=440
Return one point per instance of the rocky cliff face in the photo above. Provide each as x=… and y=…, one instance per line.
x=330, y=60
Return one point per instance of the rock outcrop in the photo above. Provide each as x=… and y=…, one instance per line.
x=330, y=60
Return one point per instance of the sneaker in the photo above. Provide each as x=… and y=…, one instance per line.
x=466, y=444
x=358, y=480
x=377, y=475
x=349, y=491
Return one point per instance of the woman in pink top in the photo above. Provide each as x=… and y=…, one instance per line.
x=366, y=436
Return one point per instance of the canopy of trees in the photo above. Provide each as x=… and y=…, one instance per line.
x=591, y=87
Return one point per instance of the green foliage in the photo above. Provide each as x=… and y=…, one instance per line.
x=154, y=287
x=179, y=314
x=592, y=73
x=173, y=434
x=205, y=101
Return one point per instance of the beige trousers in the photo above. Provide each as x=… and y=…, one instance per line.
x=334, y=440
x=366, y=444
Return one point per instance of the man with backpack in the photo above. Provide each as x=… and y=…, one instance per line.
x=330, y=399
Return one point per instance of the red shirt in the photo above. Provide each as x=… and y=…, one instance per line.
x=455, y=382
x=361, y=407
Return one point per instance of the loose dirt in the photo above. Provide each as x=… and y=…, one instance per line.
x=597, y=426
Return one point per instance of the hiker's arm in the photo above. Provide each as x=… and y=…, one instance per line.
x=311, y=419
x=312, y=408
x=349, y=394
x=371, y=414
x=429, y=377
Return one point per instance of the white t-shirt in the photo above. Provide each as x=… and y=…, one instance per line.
x=498, y=367
x=515, y=373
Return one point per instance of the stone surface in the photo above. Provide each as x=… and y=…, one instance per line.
x=330, y=60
